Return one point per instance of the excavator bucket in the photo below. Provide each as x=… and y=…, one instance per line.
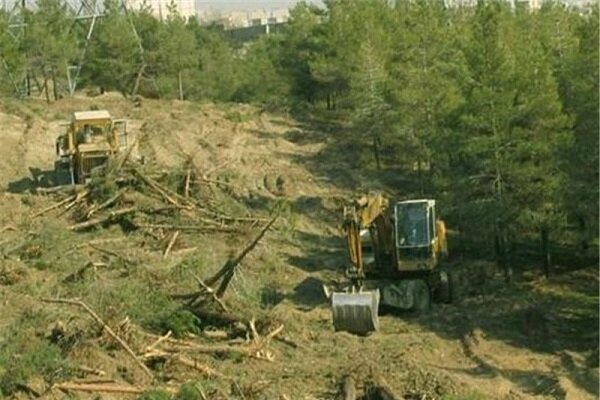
x=355, y=312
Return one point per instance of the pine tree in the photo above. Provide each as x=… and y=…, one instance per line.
x=12, y=59
x=217, y=75
x=580, y=98
x=176, y=54
x=115, y=53
x=49, y=44
x=425, y=69
x=513, y=128
x=372, y=112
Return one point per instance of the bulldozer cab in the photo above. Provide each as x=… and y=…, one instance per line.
x=415, y=225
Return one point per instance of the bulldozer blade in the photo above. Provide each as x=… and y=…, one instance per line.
x=355, y=312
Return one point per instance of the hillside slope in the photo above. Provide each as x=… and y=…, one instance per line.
x=533, y=340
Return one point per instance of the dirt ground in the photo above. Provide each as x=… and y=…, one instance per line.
x=536, y=339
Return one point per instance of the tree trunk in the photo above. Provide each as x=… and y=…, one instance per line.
x=376, y=143
x=420, y=174
x=45, y=89
x=501, y=252
x=54, y=92
x=180, y=85
x=544, y=235
x=583, y=234
x=138, y=79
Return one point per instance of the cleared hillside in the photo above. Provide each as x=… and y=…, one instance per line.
x=537, y=339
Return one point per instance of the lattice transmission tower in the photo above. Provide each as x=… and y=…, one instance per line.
x=86, y=14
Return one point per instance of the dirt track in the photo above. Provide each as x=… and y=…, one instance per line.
x=530, y=341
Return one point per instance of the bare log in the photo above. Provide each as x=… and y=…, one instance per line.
x=80, y=196
x=93, y=222
x=188, y=362
x=7, y=228
x=58, y=189
x=54, y=206
x=105, y=204
x=163, y=191
x=94, y=380
x=90, y=387
x=227, y=271
x=210, y=291
x=171, y=243
x=127, y=153
x=186, y=191
x=348, y=388
x=158, y=341
x=107, y=328
x=186, y=227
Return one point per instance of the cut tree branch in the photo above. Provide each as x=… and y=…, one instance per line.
x=227, y=271
x=107, y=328
x=93, y=222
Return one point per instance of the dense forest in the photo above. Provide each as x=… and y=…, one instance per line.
x=493, y=110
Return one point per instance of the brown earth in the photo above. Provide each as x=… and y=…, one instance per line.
x=537, y=339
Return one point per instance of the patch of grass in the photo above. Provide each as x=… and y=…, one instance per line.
x=135, y=297
x=188, y=391
x=237, y=117
x=24, y=352
x=41, y=265
x=154, y=395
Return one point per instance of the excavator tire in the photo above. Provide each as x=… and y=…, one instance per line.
x=422, y=297
x=443, y=287
x=455, y=287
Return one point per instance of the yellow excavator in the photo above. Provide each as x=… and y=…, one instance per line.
x=395, y=255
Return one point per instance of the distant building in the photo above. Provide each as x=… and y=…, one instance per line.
x=528, y=4
x=160, y=8
x=244, y=18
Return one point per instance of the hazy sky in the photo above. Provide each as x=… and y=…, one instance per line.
x=246, y=4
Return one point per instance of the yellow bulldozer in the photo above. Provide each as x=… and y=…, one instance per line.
x=395, y=255
x=90, y=140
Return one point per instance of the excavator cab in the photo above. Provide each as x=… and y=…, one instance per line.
x=415, y=227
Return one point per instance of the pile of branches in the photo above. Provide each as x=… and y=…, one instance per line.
x=155, y=204
x=188, y=353
x=163, y=206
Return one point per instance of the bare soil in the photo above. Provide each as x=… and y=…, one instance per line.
x=537, y=339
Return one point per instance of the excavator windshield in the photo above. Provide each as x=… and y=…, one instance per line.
x=412, y=224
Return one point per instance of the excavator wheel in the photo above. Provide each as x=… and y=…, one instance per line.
x=422, y=297
x=443, y=288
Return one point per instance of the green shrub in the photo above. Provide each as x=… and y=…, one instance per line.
x=179, y=322
x=154, y=395
x=24, y=358
x=188, y=391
